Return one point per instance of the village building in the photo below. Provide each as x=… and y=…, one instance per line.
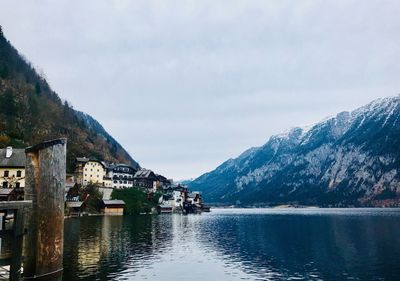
x=121, y=175
x=10, y=194
x=146, y=179
x=12, y=170
x=69, y=183
x=164, y=209
x=107, y=181
x=91, y=171
x=80, y=163
x=113, y=207
x=74, y=207
x=194, y=198
x=174, y=196
x=180, y=199
x=177, y=198
x=162, y=183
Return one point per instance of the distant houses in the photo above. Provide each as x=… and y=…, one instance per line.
x=12, y=173
x=110, y=176
x=180, y=199
x=105, y=176
x=117, y=176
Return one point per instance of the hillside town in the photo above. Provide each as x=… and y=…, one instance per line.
x=106, y=177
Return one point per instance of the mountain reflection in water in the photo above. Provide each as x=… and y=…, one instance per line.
x=252, y=244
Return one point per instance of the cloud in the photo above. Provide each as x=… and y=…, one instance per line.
x=184, y=85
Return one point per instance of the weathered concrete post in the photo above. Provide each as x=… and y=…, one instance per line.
x=45, y=185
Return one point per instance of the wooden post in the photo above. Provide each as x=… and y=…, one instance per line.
x=45, y=185
x=15, y=266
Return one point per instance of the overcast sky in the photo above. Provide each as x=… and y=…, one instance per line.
x=185, y=85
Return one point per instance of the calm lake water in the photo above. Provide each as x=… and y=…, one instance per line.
x=236, y=244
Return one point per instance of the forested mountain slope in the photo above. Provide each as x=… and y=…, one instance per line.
x=31, y=112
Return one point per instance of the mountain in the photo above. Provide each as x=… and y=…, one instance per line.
x=352, y=159
x=30, y=112
x=184, y=181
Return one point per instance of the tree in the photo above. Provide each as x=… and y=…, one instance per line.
x=8, y=104
x=92, y=197
x=4, y=72
x=136, y=200
x=38, y=90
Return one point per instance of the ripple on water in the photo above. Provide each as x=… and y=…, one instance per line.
x=246, y=244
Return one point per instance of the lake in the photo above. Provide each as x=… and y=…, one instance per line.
x=236, y=244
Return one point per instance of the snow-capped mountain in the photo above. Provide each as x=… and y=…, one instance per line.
x=350, y=159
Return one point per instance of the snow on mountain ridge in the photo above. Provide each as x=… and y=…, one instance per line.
x=339, y=125
x=351, y=158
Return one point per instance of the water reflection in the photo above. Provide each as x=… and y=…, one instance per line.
x=99, y=248
x=320, y=246
x=236, y=245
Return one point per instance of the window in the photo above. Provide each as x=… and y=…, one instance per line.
x=6, y=173
x=115, y=181
x=19, y=174
x=17, y=185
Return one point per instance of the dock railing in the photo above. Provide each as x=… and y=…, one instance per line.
x=16, y=234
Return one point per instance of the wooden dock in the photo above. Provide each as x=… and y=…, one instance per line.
x=10, y=263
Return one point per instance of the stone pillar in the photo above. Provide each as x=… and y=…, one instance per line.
x=45, y=185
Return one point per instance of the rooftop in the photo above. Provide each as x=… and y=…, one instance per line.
x=17, y=158
x=5, y=191
x=74, y=204
x=82, y=159
x=144, y=173
x=113, y=202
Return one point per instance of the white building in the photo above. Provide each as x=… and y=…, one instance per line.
x=121, y=175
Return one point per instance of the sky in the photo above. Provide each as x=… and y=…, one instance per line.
x=185, y=85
